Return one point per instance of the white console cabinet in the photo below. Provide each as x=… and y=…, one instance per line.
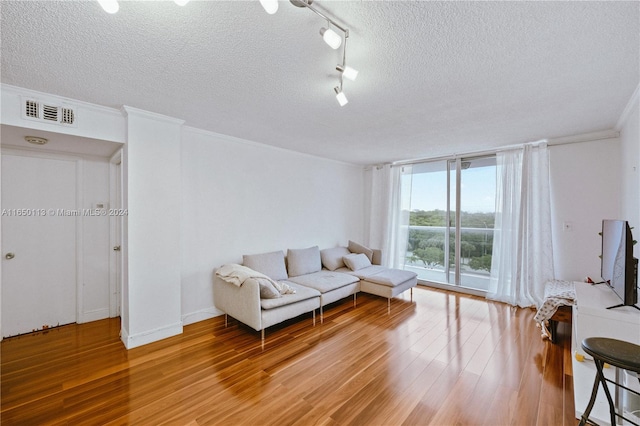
x=591, y=318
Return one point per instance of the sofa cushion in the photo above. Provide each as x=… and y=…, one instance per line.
x=391, y=277
x=332, y=257
x=364, y=272
x=271, y=264
x=356, y=261
x=325, y=281
x=359, y=248
x=267, y=290
x=302, y=293
x=303, y=261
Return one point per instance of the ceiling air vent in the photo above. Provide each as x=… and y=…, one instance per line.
x=49, y=112
x=31, y=109
x=67, y=116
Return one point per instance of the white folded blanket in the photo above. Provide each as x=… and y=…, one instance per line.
x=238, y=274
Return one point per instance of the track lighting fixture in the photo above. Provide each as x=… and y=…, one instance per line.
x=109, y=6
x=340, y=96
x=270, y=6
x=331, y=37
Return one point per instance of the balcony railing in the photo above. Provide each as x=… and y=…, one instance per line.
x=426, y=255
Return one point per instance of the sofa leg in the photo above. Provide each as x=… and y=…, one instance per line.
x=354, y=299
x=262, y=335
x=321, y=316
x=225, y=320
x=411, y=293
x=314, y=317
x=389, y=306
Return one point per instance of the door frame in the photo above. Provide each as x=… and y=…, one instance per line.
x=115, y=234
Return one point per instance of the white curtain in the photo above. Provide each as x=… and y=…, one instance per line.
x=389, y=212
x=522, y=260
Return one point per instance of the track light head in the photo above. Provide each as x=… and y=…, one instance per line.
x=301, y=3
x=270, y=6
x=340, y=96
x=331, y=37
x=109, y=6
x=348, y=72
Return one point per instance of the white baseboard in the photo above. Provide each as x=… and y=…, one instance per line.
x=94, y=315
x=124, y=336
x=150, y=336
x=201, y=315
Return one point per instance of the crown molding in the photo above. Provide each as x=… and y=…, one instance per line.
x=132, y=111
x=21, y=91
x=628, y=108
x=235, y=139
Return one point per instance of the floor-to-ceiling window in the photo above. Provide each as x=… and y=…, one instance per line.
x=451, y=221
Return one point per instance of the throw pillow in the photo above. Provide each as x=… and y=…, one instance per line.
x=271, y=264
x=303, y=261
x=356, y=261
x=359, y=248
x=332, y=257
x=267, y=290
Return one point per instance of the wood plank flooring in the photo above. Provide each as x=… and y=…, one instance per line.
x=441, y=359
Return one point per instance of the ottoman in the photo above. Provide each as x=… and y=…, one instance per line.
x=389, y=283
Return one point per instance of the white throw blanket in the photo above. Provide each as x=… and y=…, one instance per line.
x=556, y=293
x=238, y=274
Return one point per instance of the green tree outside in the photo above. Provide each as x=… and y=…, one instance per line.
x=427, y=245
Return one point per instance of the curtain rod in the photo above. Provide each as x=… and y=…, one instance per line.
x=588, y=137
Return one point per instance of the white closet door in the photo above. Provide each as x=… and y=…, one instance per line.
x=38, y=243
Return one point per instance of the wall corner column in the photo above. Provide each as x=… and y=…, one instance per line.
x=151, y=276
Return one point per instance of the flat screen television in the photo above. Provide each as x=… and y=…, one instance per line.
x=619, y=269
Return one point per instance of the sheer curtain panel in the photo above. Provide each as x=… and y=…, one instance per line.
x=389, y=212
x=522, y=259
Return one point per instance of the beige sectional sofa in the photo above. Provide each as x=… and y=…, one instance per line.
x=317, y=277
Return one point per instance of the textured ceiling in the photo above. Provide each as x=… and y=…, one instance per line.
x=436, y=78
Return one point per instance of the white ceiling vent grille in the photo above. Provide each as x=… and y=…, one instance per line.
x=31, y=109
x=49, y=112
x=67, y=116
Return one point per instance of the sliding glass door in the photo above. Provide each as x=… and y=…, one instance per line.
x=428, y=242
x=451, y=221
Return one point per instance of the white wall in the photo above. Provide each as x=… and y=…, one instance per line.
x=240, y=197
x=152, y=228
x=585, y=188
x=629, y=128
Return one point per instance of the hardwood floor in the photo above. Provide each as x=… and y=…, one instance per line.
x=442, y=359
